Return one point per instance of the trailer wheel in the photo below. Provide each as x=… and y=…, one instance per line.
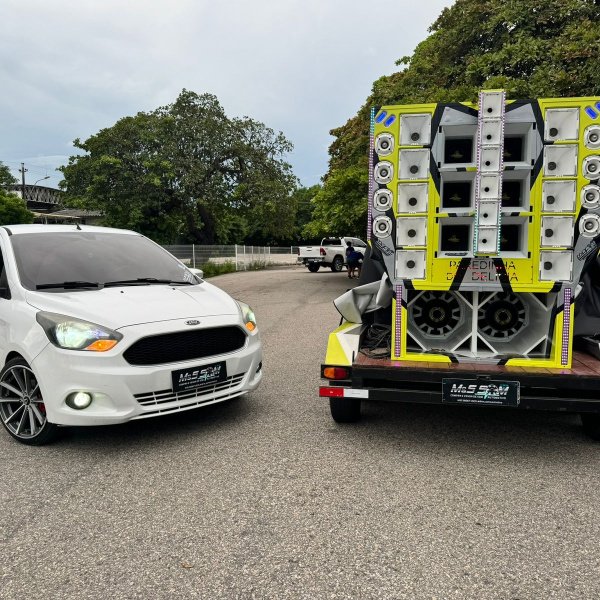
x=591, y=425
x=345, y=410
x=313, y=267
x=338, y=264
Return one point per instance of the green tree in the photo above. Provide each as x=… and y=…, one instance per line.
x=6, y=177
x=185, y=172
x=533, y=49
x=13, y=210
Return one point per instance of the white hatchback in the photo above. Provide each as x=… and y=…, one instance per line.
x=101, y=326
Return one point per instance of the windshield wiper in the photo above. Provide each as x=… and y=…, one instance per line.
x=68, y=285
x=146, y=281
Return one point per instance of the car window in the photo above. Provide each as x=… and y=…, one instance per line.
x=4, y=287
x=331, y=242
x=53, y=257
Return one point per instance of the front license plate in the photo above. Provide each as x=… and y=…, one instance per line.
x=483, y=392
x=195, y=377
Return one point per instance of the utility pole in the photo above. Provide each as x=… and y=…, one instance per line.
x=23, y=170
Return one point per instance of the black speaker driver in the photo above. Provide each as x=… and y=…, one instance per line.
x=436, y=314
x=502, y=317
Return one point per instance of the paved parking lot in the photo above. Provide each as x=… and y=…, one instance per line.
x=266, y=497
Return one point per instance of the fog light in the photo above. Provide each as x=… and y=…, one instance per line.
x=79, y=400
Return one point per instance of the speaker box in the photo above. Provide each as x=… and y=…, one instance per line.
x=411, y=231
x=490, y=159
x=487, y=240
x=412, y=197
x=491, y=132
x=383, y=172
x=488, y=214
x=415, y=130
x=590, y=196
x=489, y=186
x=382, y=226
x=456, y=235
x=557, y=231
x=592, y=137
x=560, y=161
x=559, y=196
x=458, y=150
x=561, y=124
x=414, y=164
x=382, y=200
x=514, y=149
x=491, y=105
x=456, y=194
x=591, y=167
x=515, y=189
x=384, y=144
x=556, y=266
x=411, y=264
x=512, y=237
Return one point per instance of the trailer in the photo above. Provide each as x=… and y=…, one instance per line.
x=481, y=281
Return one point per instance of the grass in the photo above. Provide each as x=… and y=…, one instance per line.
x=211, y=269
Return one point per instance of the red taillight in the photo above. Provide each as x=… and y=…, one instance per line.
x=336, y=373
x=331, y=392
x=322, y=251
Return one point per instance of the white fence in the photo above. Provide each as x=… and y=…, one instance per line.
x=240, y=255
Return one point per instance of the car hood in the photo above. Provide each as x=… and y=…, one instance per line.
x=117, y=307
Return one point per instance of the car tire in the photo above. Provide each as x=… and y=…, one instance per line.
x=313, y=267
x=591, y=425
x=22, y=408
x=345, y=410
x=338, y=264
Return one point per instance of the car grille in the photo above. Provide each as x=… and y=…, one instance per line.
x=197, y=396
x=185, y=345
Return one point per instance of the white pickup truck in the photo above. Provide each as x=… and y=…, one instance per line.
x=331, y=253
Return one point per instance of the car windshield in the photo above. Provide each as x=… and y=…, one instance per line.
x=88, y=260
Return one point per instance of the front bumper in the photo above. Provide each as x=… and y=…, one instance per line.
x=122, y=392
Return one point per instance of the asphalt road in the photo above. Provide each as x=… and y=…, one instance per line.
x=266, y=497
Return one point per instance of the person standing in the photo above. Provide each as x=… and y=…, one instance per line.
x=349, y=250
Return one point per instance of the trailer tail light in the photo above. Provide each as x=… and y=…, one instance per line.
x=336, y=373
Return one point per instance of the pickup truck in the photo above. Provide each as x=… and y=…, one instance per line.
x=331, y=253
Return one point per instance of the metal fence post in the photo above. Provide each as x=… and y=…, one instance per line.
x=194, y=256
x=236, y=259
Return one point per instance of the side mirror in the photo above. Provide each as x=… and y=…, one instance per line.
x=198, y=273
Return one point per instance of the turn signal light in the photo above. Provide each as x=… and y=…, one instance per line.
x=336, y=373
x=250, y=326
x=102, y=345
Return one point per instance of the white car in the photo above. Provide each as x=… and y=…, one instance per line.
x=102, y=326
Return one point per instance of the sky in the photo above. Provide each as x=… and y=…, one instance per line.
x=72, y=67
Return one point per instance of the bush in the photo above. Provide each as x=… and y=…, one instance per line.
x=211, y=269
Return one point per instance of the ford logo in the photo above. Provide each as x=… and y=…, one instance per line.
x=192, y=322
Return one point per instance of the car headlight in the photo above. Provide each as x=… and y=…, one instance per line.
x=75, y=334
x=247, y=316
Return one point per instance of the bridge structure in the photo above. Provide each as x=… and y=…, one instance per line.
x=38, y=197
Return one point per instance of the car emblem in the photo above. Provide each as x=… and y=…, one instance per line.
x=192, y=322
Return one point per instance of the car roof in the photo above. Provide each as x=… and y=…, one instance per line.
x=72, y=228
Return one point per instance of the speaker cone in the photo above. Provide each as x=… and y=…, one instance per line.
x=592, y=137
x=384, y=171
x=384, y=144
x=589, y=225
x=382, y=226
x=382, y=200
x=501, y=317
x=591, y=167
x=590, y=196
x=436, y=314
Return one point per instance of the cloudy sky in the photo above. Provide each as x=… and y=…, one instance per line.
x=72, y=67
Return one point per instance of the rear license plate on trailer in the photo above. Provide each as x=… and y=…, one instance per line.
x=482, y=392
x=195, y=377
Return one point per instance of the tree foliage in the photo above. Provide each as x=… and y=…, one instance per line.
x=13, y=210
x=187, y=173
x=532, y=49
x=6, y=177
